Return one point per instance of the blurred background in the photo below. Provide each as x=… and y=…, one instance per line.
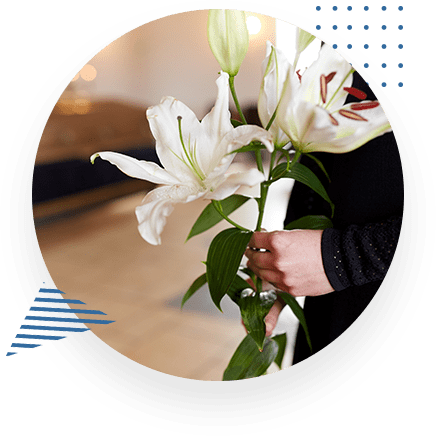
x=84, y=214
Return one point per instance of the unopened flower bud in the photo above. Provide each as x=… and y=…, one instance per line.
x=303, y=40
x=228, y=38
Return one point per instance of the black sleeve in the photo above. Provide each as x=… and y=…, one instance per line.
x=359, y=255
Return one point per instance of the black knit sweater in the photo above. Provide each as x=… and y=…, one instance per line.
x=367, y=190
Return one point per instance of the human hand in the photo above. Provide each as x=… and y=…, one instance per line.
x=290, y=260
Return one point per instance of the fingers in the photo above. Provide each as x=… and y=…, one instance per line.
x=273, y=316
x=265, y=285
x=260, y=240
x=265, y=274
x=262, y=259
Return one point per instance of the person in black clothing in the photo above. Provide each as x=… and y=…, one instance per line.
x=340, y=269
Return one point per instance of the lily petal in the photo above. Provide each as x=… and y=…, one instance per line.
x=313, y=125
x=217, y=122
x=138, y=169
x=157, y=206
x=237, y=138
x=245, y=134
x=164, y=125
x=231, y=182
x=275, y=69
x=214, y=126
x=329, y=61
x=351, y=134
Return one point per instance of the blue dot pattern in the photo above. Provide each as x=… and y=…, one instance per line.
x=383, y=28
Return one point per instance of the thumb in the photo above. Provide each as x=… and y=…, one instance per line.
x=272, y=317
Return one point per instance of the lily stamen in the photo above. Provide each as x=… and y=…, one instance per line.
x=363, y=106
x=351, y=115
x=356, y=93
x=323, y=88
x=324, y=81
x=333, y=120
x=193, y=164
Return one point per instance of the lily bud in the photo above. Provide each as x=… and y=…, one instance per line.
x=303, y=40
x=228, y=38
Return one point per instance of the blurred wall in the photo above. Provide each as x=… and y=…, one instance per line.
x=171, y=56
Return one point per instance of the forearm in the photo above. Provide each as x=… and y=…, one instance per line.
x=359, y=255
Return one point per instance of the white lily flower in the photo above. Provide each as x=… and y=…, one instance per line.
x=275, y=68
x=195, y=156
x=312, y=111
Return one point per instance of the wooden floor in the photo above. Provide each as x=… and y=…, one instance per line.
x=99, y=257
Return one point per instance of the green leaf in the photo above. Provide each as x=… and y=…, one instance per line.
x=223, y=260
x=235, y=289
x=281, y=342
x=194, y=288
x=315, y=222
x=304, y=175
x=210, y=217
x=254, y=308
x=248, y=361
x=236, y=123
x=298, y=312
x=253, y=146
x=320, y=165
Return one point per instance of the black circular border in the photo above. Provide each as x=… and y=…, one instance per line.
x=196, y=407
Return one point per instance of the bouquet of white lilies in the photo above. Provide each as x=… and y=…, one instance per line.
x=300, y=114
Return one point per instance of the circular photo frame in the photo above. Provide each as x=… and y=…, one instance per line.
x=193, y=406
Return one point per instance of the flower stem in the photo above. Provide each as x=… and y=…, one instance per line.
x=219, y=209
x=262, y=200
x=272, y=118
x=271, y=163
x=235, y=98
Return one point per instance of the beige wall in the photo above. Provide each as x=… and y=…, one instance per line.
x=171, y=56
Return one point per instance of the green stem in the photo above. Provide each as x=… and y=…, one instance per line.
x=219, y=209
x=262, y=200
x=288, y=168
x=271, y=163
x=235, y=98
x=294, y=160
x=272, y=118
x=259, y=161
